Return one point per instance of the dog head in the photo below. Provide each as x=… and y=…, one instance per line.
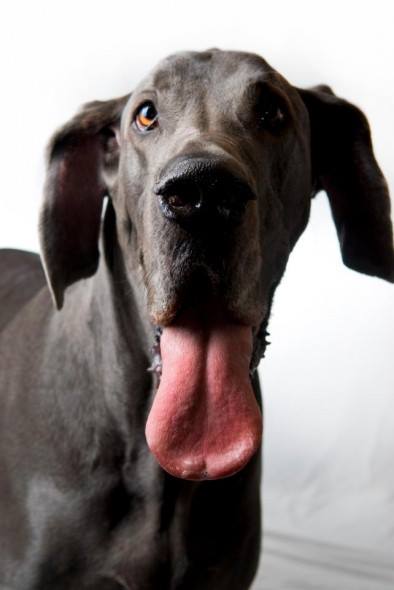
x=210, y=165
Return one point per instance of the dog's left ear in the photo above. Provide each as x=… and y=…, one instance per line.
x=344, y=166
x=82, y=157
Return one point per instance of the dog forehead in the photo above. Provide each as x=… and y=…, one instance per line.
x=191, y=71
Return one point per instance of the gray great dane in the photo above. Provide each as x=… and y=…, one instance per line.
x=168, y=219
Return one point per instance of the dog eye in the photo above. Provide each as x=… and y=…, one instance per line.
x=146, y=117
x=270, y=108
x=271, y=113
x=272, y=117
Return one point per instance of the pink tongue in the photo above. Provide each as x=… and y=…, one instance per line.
x=204, y=422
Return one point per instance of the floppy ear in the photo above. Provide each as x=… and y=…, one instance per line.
x=79, y=154
x=344, y=166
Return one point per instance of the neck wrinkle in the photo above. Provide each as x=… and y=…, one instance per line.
x=128, y=335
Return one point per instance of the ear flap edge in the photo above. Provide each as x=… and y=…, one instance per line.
x=345, y=167
x=70, y=217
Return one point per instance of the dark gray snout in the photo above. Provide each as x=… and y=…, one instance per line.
x=202, y=188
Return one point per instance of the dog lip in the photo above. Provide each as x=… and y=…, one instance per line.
x=259, y=332
x=260, y=344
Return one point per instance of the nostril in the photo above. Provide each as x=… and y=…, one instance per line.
x=176, y=201
x=185, y=202
x=180, y=201
x=195, y=189
x=232, y=204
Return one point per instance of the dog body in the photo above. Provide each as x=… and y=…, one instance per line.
x=208, y=166
x=84, y=504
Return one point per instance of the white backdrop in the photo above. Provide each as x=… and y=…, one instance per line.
x=328, y=377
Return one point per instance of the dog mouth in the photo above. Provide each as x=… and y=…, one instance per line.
x=205, y=422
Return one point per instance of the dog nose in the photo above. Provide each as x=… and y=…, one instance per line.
x=203, y=188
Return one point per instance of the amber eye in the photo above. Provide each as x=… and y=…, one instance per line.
x=146, y=117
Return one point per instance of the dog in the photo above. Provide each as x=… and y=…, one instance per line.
x=131, y=422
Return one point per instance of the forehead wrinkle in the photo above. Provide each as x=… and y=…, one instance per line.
x=162, y=80
x=166, y=75
x=182, y=96
x=182, y=68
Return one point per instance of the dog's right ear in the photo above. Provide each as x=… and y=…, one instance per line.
x=79, y=154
